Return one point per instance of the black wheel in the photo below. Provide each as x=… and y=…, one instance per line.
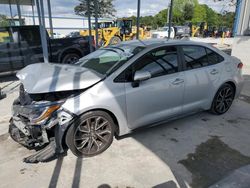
x=91, y=134
x=70, y=58
x=114, y=40
x=223, y=99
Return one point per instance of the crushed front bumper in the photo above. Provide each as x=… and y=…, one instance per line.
x=49, y=132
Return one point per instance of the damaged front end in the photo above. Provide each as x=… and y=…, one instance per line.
x=39, y=120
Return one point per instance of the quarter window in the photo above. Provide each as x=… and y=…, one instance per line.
x=213, y=57
x=195, y=57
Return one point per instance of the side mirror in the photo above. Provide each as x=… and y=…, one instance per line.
x=140, y=76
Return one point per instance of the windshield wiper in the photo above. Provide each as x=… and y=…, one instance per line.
x=117, y=48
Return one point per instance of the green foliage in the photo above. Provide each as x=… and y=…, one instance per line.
x=105, y=8
x=188, y=11
x=200, y=14
x=160, y=19
x=3, y=21
x=227, y=19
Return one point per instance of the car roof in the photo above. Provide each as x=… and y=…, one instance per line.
x=160, y=42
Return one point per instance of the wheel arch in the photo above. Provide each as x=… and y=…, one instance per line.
x=232, y=84
x=111, y=114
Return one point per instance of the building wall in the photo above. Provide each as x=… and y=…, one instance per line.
x=63, y=25
x=244, y=17
x=241, y=44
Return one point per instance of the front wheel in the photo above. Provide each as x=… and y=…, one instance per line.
x=223, y=99
x=91, y=134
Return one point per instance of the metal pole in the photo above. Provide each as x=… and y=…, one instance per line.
x=11, y=15
x=50, y=20
x=19, y=12
x=96, y=23
x=170, y=19
x=138, y=19
x=89, y=23
x=33, y=13
x=42, y=31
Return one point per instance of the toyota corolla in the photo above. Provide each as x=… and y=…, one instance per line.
x=116, y=90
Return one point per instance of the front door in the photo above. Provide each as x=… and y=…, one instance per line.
x=159, y=97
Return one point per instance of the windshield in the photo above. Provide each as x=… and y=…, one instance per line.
x=107, y=59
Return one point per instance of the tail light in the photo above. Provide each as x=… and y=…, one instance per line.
x=240, y=65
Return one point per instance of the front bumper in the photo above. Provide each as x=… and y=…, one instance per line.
x=38, y=134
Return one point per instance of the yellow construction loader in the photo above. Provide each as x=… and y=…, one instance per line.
x=4, y=36
x=113, y=32
x=198, y=30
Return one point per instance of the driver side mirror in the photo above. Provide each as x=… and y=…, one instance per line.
x=140, y=76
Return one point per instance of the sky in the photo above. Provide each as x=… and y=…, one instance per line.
x=123, y=7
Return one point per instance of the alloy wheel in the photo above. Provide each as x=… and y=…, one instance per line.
x=224, y=99
x=93, y=135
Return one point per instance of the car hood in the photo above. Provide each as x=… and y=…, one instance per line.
x=47, y=77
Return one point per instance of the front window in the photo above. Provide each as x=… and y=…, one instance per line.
x=106, y=60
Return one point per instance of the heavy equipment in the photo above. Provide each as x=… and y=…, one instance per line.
x=113, y=32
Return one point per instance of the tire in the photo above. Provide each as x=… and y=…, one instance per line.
x=91, y=134
x=114, y=40
x=70, y=58
x=223, y=99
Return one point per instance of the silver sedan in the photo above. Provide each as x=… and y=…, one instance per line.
x=120, y=88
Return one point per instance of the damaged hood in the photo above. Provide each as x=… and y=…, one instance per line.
x=47, y=77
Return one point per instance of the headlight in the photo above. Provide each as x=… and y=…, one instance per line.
x=41, y=113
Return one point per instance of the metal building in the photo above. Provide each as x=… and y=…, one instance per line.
x=241, y=45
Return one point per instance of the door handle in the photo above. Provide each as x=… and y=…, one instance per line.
x=214, y=71
x=177, y=81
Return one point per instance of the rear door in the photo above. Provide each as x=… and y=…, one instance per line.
x=197, y=85
x=200, y=78
x=159, y=97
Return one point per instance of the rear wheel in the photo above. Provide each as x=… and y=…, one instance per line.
x=91, y=134
x=223, y=99
x=70, y=58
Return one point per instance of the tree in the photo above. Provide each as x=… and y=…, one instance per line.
x=212, y=17
x=160, y=18
x=200, y=14
x=105, y=8
x=3, y=21
x=188, y=11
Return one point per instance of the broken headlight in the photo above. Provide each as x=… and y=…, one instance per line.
x=42, y=112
